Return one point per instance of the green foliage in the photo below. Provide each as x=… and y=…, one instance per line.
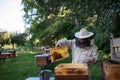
x=4, y=38
x=7, y=38
x=55, y=31
x=95, y=71
x=50, y=20
x=18, y=38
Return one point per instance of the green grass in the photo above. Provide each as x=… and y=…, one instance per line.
x=24, y=66
x=95, y=71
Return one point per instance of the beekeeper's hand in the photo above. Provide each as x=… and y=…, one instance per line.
x=90, y=59
x=58, y=44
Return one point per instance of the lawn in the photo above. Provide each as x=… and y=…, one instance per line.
x=24, y=66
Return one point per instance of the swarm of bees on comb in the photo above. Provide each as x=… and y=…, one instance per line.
x=58, y=53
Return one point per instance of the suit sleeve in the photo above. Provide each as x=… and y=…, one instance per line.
x=65, y=42
x=95, y=53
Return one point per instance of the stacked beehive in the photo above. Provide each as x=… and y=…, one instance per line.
x=111, y=71
x=70, y=71
x=43, y=59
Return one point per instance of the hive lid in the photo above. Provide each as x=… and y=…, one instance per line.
x=42, y=55
x=71, y=69
x=72, y=66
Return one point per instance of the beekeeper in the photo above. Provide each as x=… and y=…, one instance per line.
x=82, y=46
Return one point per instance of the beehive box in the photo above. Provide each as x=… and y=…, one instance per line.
x=43, y=59
x=70, y=71
x=5, y=55
x=111, y=71
x=13, y=53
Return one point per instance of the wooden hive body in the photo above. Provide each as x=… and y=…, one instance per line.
x=111, y=71
x=71, y=72
x=43, y=59
x=13, y=53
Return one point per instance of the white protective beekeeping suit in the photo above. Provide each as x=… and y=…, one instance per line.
x=80, y=55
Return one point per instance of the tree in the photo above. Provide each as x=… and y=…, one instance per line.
x=18, y=38
x=51, y=20
x=4, y=38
